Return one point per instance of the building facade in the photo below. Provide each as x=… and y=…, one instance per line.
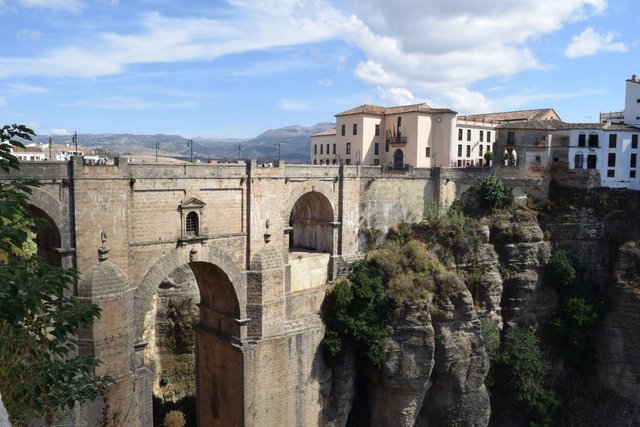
x=397, y=137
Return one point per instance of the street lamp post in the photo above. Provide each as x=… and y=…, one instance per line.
x=190, y=145
x=157, y=146
x=75, y=140
x=50, y=146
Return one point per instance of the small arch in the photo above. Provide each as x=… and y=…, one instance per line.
x=398, y=159
x=192, y=225
x=311, y=223
x=510, y=157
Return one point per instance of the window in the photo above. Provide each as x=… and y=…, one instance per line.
x=468, y=151
x=578, y=161
x=327, y=148
x=315, y=161
x=613, y=140
x=611, y=161
x=582, y=140
x=511, y=138
x=376, y=162
x=376, y=148
x=611, y=173
x=468, y=134
x=377, y=130
x=427, y=152
x=632, y=174
x=334, y=161
x=321, y=149
x=488, y=137
x=481, y=136
x=460, y=150
x=315, y=148
x=192, y=224
x=459, y=134
x=348, y=161
x=538, y=159
x=633, y=160
x=348, y=148
x=334, y=148
x=399, y=121
x=343, y=130
x=355, y=128
x=634, y=140
x=480, y=150
x=593, y=140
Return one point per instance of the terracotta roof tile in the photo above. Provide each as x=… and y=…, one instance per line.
x=400, y=109
x=327, y=132
x=511, y=116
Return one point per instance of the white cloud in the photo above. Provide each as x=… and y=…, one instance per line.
x=439, y=48
x=67, y=5
x=23, y=88
x=396, y=95
x=589, y=43
x=29, y=34
x=325, y=82
x=59, y=132
x=292, y=105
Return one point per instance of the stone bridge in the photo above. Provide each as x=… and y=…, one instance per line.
x=261, y=244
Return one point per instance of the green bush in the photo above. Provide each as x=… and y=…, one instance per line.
x=358, y=315
x=520, y=373
x=493, y=192
x=561, y=272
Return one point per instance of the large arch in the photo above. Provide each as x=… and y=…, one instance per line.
x=398, y=159
x=219, y=359
x=310, y=222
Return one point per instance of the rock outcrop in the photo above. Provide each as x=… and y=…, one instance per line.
x=436, y=364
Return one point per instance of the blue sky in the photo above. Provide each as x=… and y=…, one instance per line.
x=236, y=68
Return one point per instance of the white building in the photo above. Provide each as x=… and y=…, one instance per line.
x=610, y=147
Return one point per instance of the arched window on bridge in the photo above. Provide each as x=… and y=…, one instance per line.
x=191, y=226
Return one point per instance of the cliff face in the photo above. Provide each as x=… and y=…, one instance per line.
x=435, y=366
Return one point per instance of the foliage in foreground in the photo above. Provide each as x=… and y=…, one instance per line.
x=40, y=378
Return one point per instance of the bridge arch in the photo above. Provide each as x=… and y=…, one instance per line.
x=311, y=216
x=219, y=332
x=184, y=255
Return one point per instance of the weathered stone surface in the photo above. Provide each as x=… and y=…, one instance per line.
x=457, y=396
x=619, y=337
x=398, y=389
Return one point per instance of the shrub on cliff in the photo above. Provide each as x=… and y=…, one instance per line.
x=358, y=313
x=520, y=372
x=493, y=192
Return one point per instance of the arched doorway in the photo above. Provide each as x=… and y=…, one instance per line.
x=310, y=223
x=398, y=160
x=47, y=237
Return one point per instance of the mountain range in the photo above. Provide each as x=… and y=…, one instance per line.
x=291, y=143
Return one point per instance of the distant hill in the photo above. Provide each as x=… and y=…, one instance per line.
x=295, y=142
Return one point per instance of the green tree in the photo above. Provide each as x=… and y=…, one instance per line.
x=41, y=375
x=493, y=192
x=359, y=313
x=520, y=373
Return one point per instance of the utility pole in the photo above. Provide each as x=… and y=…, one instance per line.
x=157, y=146
x=50, y=146
x=74, y=139
x=278, y=146
x=190, y=144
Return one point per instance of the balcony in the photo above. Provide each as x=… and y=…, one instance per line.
x=398, y=140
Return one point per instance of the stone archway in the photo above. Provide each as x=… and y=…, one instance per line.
x=218, y=332
x=398, y=160
x=311, y=225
